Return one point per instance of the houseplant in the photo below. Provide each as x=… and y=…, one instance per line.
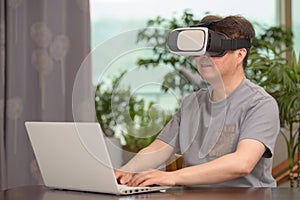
x=280, y=75
x=289, y=104
x=283, y=83
x=103, y=104
x=156, y=38
x=135, y=120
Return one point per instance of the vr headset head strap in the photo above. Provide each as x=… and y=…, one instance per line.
x=234, y=44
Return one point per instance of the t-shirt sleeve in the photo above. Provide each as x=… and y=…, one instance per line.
x=170, y=133
x=262, y=123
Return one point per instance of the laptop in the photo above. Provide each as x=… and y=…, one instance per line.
x=74, y=156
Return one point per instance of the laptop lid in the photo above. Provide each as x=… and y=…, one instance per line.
x=72, y=156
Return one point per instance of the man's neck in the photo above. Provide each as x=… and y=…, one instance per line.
x=222, y=90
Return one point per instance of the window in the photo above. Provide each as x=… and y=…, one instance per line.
x=296, y=25
x=115, y=24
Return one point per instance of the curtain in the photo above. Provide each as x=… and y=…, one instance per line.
x=43, y=43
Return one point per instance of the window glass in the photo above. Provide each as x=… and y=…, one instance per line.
x=110, y=17
x=296, y=24
x=115, y=24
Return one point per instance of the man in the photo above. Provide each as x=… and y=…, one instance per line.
x=226, y=133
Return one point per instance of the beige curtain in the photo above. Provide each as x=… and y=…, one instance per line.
x=43, y=43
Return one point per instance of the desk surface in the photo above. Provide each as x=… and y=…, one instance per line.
x=43, y=193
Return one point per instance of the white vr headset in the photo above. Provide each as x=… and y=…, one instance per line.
x=197, y=41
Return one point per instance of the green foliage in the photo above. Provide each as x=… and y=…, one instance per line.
x=103, y=105
x=145, y=126
x=118, y=110
x=270, y=68
x=156, y=37
x=268, y=56
x=289, y=95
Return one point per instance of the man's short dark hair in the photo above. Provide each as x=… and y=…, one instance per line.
x=233, y=27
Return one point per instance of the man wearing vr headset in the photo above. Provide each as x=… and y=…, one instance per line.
x=227, y=132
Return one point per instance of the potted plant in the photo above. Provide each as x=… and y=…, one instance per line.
x=156, y=37
x=104, y=92
x=280, y=76
x=289, y=104
x=136, y=121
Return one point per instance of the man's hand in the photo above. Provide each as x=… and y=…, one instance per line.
x=122, y=176
x=153, y=177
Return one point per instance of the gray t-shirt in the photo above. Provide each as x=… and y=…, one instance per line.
x=203, y=130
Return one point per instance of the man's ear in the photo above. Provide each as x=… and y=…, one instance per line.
x=241, y=54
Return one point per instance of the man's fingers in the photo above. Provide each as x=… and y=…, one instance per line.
x=140, y=178
x=153, y=177
x=123, y=177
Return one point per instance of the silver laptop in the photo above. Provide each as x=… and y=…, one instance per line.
x=74, y=156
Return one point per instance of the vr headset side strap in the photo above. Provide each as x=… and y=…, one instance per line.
x=234, y=44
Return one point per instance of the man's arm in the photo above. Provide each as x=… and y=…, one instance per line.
x=228, y=167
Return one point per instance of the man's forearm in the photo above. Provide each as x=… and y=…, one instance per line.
x=225, y=168
x=150, y=157
x=220, y=170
